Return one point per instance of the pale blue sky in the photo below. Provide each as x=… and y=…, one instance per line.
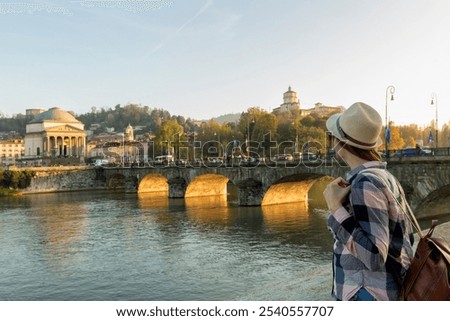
x=205, y=58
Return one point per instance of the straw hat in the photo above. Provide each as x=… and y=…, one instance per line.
x=359, y=126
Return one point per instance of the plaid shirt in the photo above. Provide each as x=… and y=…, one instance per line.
x=373, y=242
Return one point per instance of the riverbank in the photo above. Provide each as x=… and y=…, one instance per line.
x=63, y=179
x=9, y=192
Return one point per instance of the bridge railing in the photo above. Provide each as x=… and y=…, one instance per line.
x=441, y=151
x=426, y=153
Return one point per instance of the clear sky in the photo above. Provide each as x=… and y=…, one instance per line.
x=205, y=58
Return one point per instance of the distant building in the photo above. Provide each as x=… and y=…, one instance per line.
x=323, y=110
x=32, y=112
x=95, y=126
x=11, y=150
x=290, y=102
x=55, y=133
x=129, y=133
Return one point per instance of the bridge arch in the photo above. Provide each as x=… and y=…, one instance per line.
x=293, y=188
x=434, y=204
x=153, y=183
x=425, y=183
x=116, y=181
x=207, y=185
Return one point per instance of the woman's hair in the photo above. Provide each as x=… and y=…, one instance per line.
x=367, y=154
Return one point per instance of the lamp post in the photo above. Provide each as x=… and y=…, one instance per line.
x=434, y=102
x=296, y=137
x=248, y=136
x=123, y=149
x=390, y=89
x=218, y=140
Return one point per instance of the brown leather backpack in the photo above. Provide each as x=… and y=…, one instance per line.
x=428, y=276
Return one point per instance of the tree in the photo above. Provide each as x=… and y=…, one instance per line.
x=169, y=133
x=444, y=135
x=257, y=122
x=265, y=123
x=308, y=121
x=397, y=141
x=410, y=141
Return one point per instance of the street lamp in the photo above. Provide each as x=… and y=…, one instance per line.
x=123, y=149
x=434, y=102
x=218, y=140
x=296, y=137
x=390, y=89
x=248, y=135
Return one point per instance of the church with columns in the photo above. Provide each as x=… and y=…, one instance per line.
x=55, y=134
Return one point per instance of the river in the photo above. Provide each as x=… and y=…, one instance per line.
x=116, y=246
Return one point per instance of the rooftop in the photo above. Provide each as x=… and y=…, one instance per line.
x=55, y=114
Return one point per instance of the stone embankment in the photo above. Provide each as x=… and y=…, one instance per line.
x=63, y=179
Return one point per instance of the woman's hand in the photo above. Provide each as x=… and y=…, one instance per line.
x=335, y=193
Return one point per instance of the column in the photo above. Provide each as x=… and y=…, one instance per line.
x=177, y=187
x=250, y=192
x=44, y=145
x=51, y=141
x=69, y=152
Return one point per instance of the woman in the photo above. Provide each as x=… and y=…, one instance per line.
x=372, y=237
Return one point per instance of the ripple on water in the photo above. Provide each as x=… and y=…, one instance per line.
x=100, y=246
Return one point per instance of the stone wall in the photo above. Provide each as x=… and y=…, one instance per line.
x=51, y=179
x=426, y=184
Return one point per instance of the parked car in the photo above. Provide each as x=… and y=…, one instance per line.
x=308, y=156
x=412, y=152
x=214, y=161
x=163, y=160
x=100, y=162
x=181, y=162
x=252, y=161
x=283, y=157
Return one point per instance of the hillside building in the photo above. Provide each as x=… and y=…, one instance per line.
x=11, y=150
x=291, y=103
x=129, y=133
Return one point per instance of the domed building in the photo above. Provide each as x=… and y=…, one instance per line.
x=55, y=133
x=290, y=102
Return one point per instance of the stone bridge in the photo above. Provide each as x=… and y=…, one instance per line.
x=426, y=181
x=255, y=184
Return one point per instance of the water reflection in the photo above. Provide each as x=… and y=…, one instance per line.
x=116, y=246
x=59, y=224
x=153, y=200
x=297, y=223
x=208, y=210
x=282, y=213
x=213, y=201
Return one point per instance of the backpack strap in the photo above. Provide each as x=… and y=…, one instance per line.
x=408, y=213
